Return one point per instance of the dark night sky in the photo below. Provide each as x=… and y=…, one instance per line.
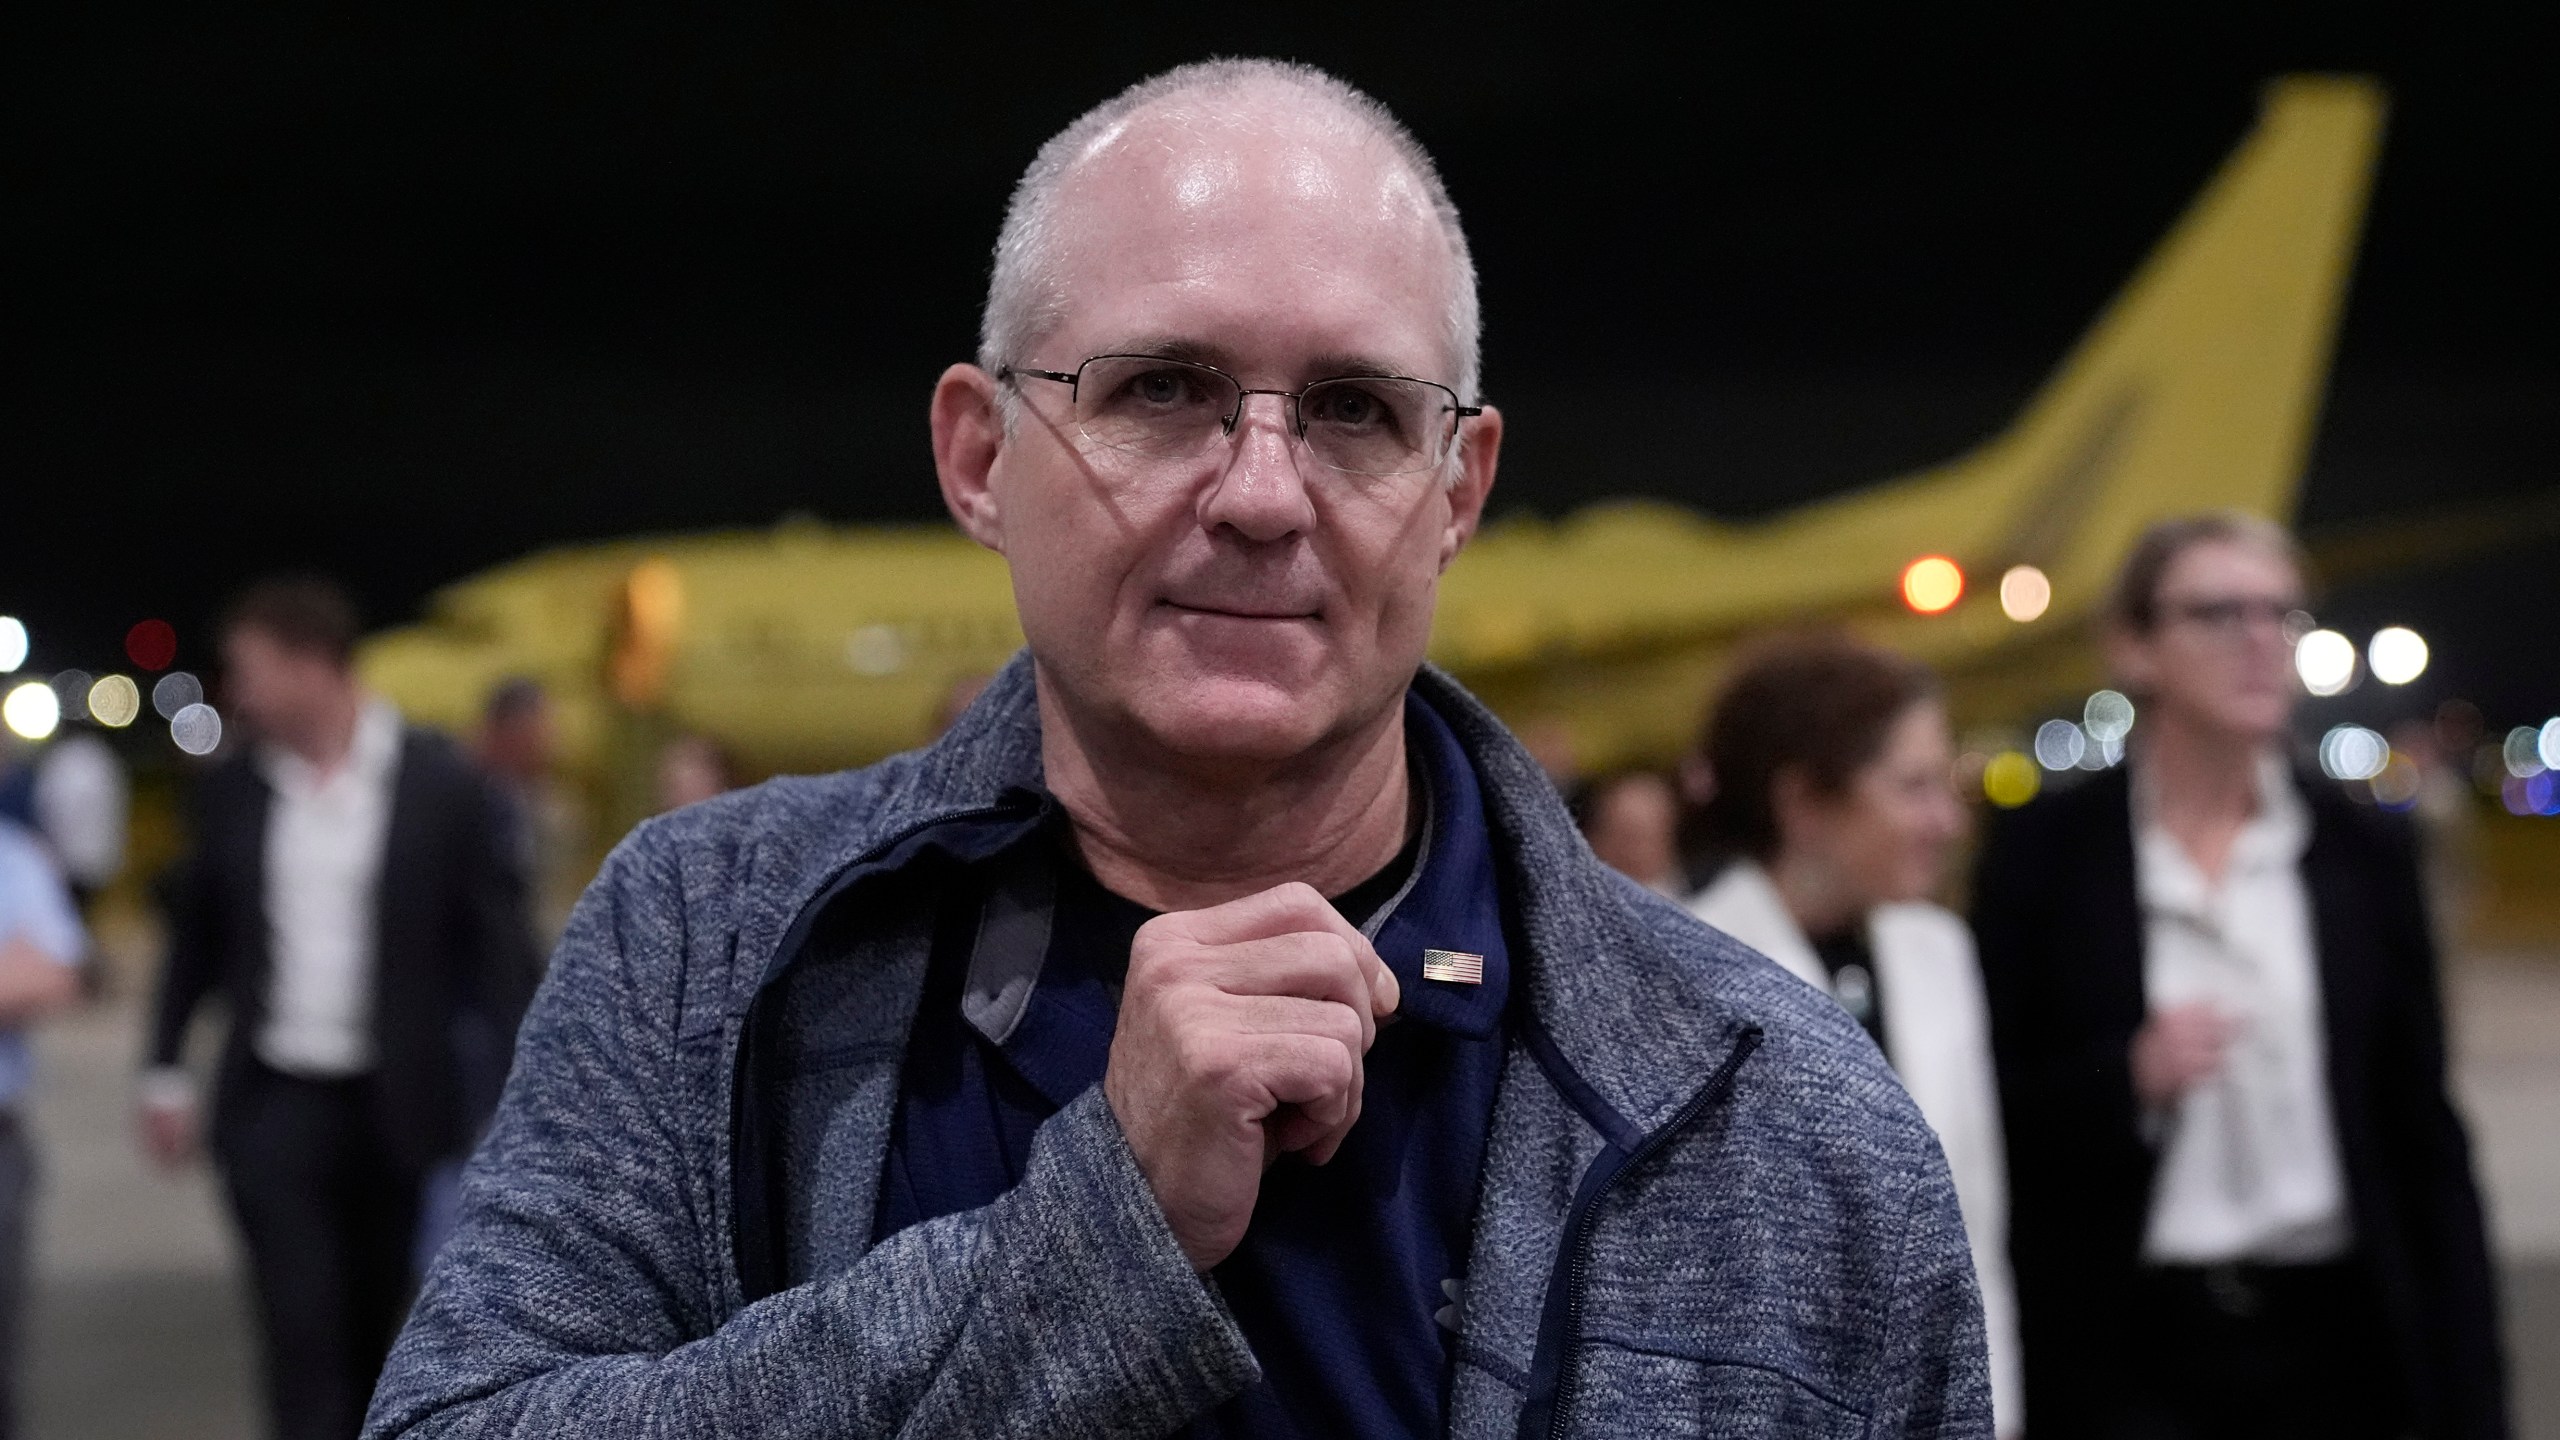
x=403, y=298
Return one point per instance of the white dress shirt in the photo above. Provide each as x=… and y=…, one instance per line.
x=325, y=834
x=1938, y=1036
x=2249, y=1156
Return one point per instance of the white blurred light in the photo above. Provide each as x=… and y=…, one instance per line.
x=197, y=729
x=32, y=710
x=2523, y=752
x=2024, y=593
x=13, y=643
x=2326, y=661
x=2352, y=752
x=176, y=691
x=2103, y=755
x=2108, y=717
x=2548, y=748
x=2060, y=744
x=2396, y=654
x=116, y=701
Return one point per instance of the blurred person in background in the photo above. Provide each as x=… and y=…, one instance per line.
x=1632, y=819
x=2242, y=1202
x=350, y=896
x=1827, y=770
x=81, y=802
x=41, y=942
x=519, y=746
x=692, y=769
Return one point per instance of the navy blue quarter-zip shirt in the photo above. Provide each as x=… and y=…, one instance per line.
x=1341, y=1278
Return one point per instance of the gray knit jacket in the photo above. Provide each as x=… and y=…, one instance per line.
x=1706, y=1207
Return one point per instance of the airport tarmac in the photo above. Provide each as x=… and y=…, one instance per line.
x=141, y=1330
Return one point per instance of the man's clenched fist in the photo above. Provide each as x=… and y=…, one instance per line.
x=1242, y=1031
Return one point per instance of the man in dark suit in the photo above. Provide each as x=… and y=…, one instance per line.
x=350, y=897
x=2243, y=1204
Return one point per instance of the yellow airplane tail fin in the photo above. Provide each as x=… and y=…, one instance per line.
x=2200, y=384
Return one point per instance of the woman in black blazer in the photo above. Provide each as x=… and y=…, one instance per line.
x=2242, y=1203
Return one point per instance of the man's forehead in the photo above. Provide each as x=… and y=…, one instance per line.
x=1197, y=186
x=2230, y=565
x=1185, y=151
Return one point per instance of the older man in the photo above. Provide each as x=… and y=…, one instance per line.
x=1221, y=1028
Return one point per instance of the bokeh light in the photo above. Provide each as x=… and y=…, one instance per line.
x=2011, y=780
x=2523, y=752
x=71, y=694
x=31, y=710
x=153, y=644
x=116, y=701
x=2536, y=794
x=175, y=692
x=1931, y=584
x=2352, y=752
x=2326, y=661
x=2060, y=744
x=2547, y=748
x=2396, y=787
x=2102, y=755
x=197, y=729
x=13, y=643
x=2396, y=655
x=2108, y=717
x=2024, y=593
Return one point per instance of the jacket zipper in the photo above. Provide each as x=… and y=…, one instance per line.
x=1576, y=1273
x=749, y=1244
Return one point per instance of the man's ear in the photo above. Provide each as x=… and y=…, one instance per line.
x=1478, y=453
x=968, y=435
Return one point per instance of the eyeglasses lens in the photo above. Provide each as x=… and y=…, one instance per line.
x=1162, y=409
x=1169, y=410
x=1378, y=425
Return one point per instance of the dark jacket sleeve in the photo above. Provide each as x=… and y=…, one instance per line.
x=2079, y=1171
x=2429, y=1163
x=580, y=1295
x=191, y=904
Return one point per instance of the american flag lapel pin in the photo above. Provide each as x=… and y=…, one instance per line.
x=1455, y=966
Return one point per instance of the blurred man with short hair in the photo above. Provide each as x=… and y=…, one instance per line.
x=349, y=896
x=519, y=746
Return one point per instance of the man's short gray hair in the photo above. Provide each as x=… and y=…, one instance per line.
x=1024, y=295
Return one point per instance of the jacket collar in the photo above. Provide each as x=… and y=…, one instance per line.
x=1633, y=1024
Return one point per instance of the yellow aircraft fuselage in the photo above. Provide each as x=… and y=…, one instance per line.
x=807, y=647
